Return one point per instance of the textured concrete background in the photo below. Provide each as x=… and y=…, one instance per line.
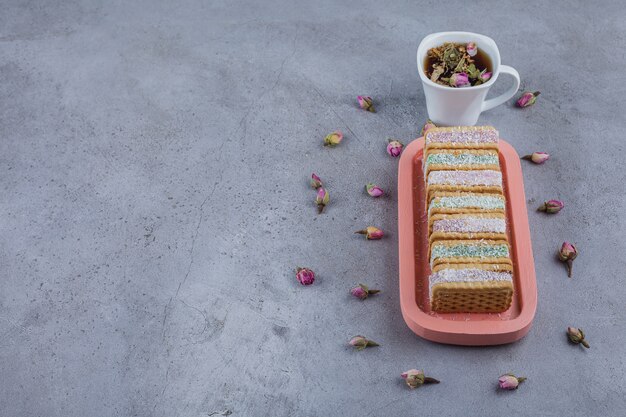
x=154, y=159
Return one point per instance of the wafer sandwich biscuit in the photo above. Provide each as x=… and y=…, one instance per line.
x=469, y=251
x=473, y=289
x=478, y=181
x=490, y=226
x=464, y=137
x=461, y=159
x=457, y=202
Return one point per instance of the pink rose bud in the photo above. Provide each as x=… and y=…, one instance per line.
x=321, y=199
x=471, y=49
x=428, y=125
x=333, y=139
x=567, y=254
x=527, y=99
x=459, y=79
x=484, y=76
x=305, y=276
x=415, y=378
x=316, y=182
x=362, y=292
x=551, y=206
x=365, y=103
x=537, y=157
x=371, y=233
x=510, y=381
x=374, y=190
x=360, y=342
x=394, y=147
x=359, y=292
x=577, y=336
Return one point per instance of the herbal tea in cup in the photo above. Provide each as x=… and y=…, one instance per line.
x=457, y=65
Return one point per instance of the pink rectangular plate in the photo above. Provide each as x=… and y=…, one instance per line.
x=462, y=328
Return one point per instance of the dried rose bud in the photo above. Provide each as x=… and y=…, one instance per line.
x=305, y=276
x=415, y=378
x=567, y=254
x=510, y=381
x=316, y=182
x=365, y=103
x=362, y=291
x=360, y=342
x=321, y=199
x=371, y=233
x=428, y=125
x=359, y=292
x=537, y=157
x=484, y=76
x=527, y=99
x=374, y=190
x=577, y=336
x=471, y=49
x=394, y=147
x=459, y=79
x=568, y=251
x=333, y=139
x=551, y=206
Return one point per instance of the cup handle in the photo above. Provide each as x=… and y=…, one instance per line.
x=504, y=69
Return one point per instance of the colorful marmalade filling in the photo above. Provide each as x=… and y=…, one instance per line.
x=460, y=159
x=469, y=250
x=470, y=225
x=479, y=177
x=468, y=201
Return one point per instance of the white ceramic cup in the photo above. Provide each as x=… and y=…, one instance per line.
x=449, y=106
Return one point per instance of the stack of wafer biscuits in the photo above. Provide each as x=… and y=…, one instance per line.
x=468, y=247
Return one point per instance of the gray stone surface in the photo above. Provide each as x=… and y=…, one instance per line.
x=153, y=168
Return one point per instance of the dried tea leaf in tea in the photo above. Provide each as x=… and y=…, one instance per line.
x=451, y=56
x=437, y=71
x=444, y=61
